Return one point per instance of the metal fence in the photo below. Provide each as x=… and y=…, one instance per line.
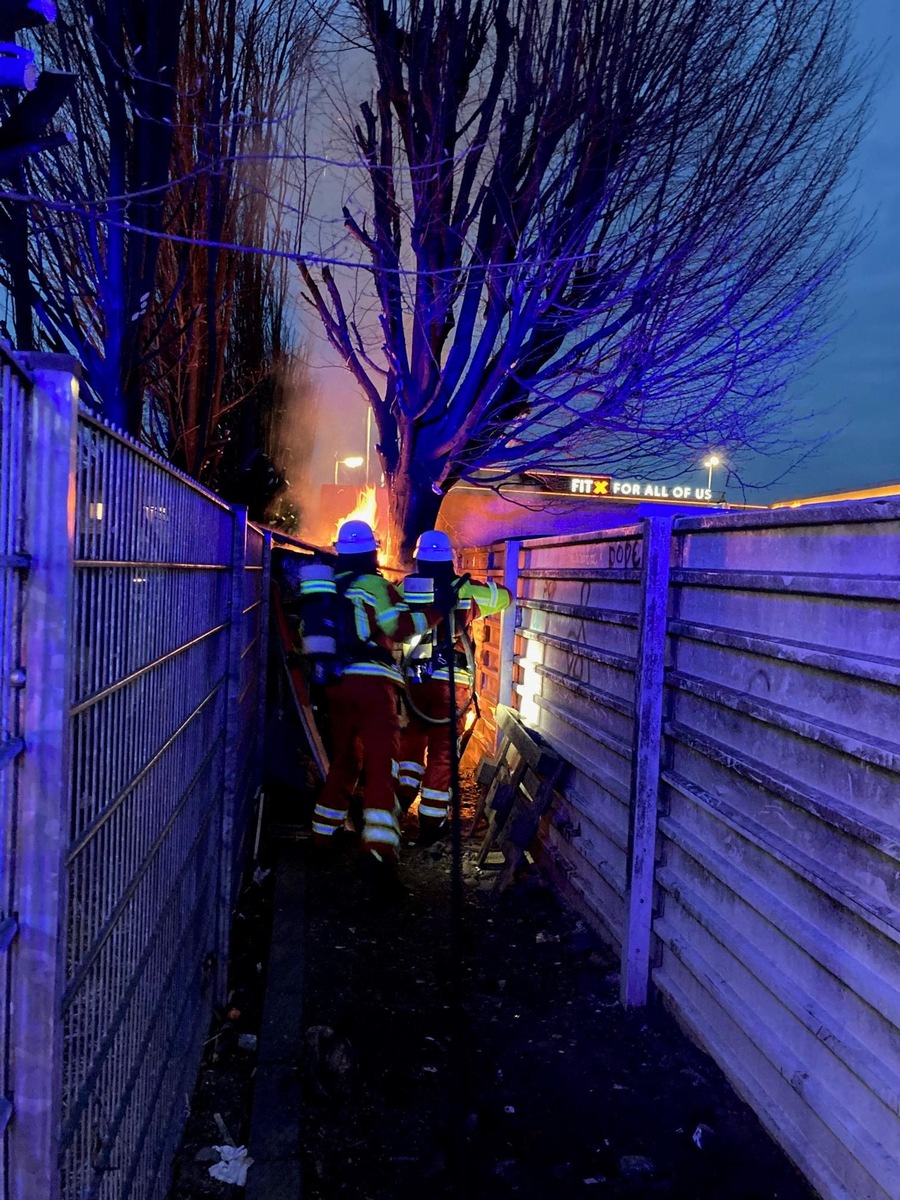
x=143, y=618
x=726, y=692
x=13, y=564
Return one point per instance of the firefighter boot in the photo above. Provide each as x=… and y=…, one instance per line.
x=432, y=830
x=342, y=840
x=382, y=881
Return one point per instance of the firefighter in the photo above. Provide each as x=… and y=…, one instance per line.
x=425, y=747
x=362, y=697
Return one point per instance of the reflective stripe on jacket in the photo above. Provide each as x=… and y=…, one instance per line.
x=476, y=600
x=383, y=619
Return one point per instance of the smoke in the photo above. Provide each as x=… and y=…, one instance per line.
x=292, y=439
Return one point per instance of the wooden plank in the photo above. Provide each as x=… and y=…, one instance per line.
x=635, y=974
x=498, y=807
x=854, y=664
x=537, y=755
x=297, y=685
x=508, y=618
x=602, y=616
x=525, y=815
x=491, y=775
x=596, y=538
x=799, y=583
x=517, y=798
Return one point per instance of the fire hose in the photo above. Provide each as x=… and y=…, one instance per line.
x=458, y=1088
x=469, y=651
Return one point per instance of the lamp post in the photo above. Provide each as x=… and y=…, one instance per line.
x=710, y=462
x=368, y=439
x=354, y=460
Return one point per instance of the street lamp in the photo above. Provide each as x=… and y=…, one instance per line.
x=710, y=462
x=368, y=439
x=355, y=460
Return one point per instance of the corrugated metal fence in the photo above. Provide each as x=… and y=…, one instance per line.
x=726, y=691
x=134, y=609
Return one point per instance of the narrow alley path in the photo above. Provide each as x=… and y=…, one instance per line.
x=566, y=1095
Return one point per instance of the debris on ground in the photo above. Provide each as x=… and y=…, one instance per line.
x=536, y=1081
x=563, y=1093
x=221, y=1103
x=234, y=1163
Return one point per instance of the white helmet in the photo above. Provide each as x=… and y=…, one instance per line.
x=434, y=546
x=355, y=537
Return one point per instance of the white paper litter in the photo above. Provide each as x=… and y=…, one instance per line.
x=234, y=1165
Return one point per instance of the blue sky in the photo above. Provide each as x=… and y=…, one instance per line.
x=854, y=387
x=859, y=377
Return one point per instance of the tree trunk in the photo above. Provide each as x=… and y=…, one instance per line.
x=413, y=507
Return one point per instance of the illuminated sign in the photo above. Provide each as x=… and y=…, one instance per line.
x=607, y=485
x=590, y=486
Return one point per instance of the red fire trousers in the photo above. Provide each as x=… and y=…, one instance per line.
x=425, y=749
x=365, y=734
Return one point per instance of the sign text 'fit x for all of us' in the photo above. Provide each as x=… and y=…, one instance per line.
x=606, y=485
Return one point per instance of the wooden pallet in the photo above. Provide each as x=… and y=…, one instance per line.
x=296, y=683
x=518, y=788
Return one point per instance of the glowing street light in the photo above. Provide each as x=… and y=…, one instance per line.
x=710, y=462
x=355, y=460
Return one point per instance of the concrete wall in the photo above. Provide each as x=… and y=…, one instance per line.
x=773, y=915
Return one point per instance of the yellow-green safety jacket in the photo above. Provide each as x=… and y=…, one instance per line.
x=476, y=599
x=383, y=620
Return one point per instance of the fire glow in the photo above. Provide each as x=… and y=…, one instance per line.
x=365, y=510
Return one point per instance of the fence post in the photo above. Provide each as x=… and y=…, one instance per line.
x=44, y=781
x=266, y=585
x=230, y=796
x=645, y=751
x=508, y=624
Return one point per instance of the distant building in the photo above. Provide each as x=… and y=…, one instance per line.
x=885, y=492
x=538, y=503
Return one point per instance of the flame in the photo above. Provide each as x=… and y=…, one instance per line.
x=365, y=511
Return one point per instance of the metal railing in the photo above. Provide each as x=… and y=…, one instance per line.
x=143, y=633
x=13, y=563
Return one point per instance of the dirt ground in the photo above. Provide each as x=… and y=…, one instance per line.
x=224, y=1087
x=540, y=1087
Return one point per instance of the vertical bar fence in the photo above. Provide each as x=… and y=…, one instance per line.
x=134, y=604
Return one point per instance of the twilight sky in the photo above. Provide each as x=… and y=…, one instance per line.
x=859, y=377
x=854, y=388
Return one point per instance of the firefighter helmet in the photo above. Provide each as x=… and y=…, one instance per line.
x=434, y=546
x=355, y=537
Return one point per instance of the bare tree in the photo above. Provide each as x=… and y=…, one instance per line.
x=587, y=232
x=182, y=153
x=94, y=252
x=220, y=324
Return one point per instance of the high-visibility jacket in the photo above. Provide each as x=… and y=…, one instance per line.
x=382, y=619
x=475, y=600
